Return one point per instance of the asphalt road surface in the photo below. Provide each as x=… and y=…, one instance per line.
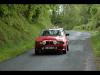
x=79, y=58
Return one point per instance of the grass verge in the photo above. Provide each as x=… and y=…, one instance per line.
x=8, y=53
x=96, y=48
x=17, y=36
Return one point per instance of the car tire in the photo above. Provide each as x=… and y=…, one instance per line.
x=64, y=52
x=37, y=52
x=60, y=52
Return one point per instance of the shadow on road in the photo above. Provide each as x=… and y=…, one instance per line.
x=46, y=54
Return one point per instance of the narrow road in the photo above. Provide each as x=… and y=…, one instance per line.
x=79, y=58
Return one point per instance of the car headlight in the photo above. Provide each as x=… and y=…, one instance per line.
x=54, y=42
x=43, y=42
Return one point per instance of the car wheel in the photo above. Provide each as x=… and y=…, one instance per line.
x=60, y=52
x=37, y=52
x=64, y=52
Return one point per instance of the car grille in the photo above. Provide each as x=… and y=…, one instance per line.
x=49, y=43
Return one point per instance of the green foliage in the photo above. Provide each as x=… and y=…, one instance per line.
x=4, y=11
x=96, y=44
x=86, y=17
x=20, y=24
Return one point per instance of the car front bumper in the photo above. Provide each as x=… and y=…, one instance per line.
x=51, y=48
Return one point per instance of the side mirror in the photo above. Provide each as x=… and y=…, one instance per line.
x=67, y=34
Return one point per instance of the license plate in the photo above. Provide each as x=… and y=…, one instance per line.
x=49, y=48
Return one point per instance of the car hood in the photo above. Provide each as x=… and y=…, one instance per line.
x=41, y=38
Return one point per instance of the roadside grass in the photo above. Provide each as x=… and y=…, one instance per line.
x=95, y=42
x=11, y=49
x=8, y=53
x=17, y=35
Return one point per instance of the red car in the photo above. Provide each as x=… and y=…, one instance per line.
x=52, y=40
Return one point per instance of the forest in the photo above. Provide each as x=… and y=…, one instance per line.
x=20, y=24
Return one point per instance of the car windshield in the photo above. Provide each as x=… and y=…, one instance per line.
x=51, y=33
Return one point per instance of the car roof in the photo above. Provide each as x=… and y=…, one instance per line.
x=55, y=29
